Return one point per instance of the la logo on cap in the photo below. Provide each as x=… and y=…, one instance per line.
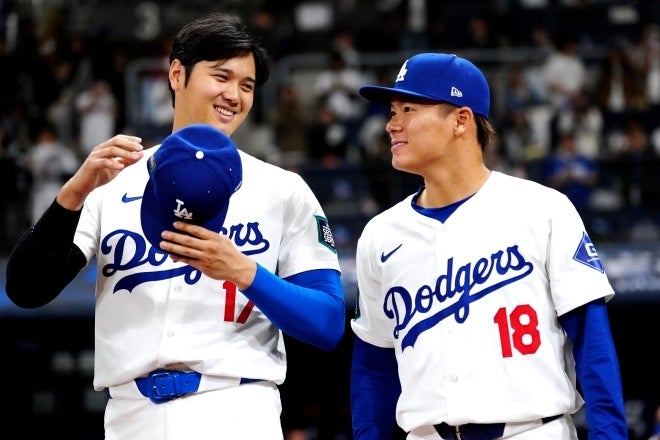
x=402, y=73
x=182, y=212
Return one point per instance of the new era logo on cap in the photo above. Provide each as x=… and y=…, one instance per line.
x=437, y=77
x=192, y=176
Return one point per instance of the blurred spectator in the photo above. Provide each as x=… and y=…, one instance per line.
x=525, y=120
x=496, y=159
x=327, y=140
x=585, y=120
x=37, y=81
x=573, y=173
x=9, y=77
x=97, y=109
x=586, y=20
x=51, y=163
x=72, y=68
x=521, y=90
x=375, y=117
x=343, y=42
x=527, y=111
x=15, y=184
x=482, y=33
x=336, y=87
x=381, y=28
x=564, y=73
x=540, y=40
x=414, y=32
x=277, y=31
x=645, y=55
x=289, y=120
x=637, y=165
x=383, y=178
x=617, y=87
x=154, y=111
x=521, y=142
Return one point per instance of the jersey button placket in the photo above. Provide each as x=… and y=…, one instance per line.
x=172, y=316
x=443, y=249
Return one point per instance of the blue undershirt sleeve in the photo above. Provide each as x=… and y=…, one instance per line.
x=374, y=391
x=597, y=370
x=308, y=306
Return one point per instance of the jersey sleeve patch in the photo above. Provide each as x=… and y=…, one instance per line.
x=325, y=233
x=586, y=254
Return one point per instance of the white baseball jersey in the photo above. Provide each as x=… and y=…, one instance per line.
x=470, y=306
x=152, y=312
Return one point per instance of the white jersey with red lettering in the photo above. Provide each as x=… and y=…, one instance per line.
x=470, y=305
x=153, y=313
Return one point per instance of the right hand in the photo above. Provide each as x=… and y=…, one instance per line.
x=102, y=165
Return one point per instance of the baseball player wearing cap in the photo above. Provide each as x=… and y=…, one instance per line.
x=189, y=321
x=482, y=300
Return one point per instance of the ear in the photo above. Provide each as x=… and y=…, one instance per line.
x=177, y=75
x=463, y=118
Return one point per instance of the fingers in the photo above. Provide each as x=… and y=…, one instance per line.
x=126, y=142
x=193, y=230
x=187, y=240
x=122, y=149
x=193, y=242
x=102, y=165
x=212, y=253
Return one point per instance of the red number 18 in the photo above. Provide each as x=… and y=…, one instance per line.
x=518, y=328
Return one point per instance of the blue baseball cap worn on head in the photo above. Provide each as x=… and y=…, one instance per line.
x=437, y=77
x=192, y=176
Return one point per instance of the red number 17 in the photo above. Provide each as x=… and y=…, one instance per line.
x=230, y=305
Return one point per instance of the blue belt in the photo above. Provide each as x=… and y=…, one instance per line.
x=478, y=431
x=165, y=385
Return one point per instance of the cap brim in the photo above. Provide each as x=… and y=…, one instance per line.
x=153, y=225
x=383, y=95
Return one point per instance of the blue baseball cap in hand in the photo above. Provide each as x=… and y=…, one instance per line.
x=437, y=77
x=192, y=176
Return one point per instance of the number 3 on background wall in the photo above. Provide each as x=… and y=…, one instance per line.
x=148, y=23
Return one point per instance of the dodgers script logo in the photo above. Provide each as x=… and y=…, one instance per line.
x=470, y=282
x=248, y=237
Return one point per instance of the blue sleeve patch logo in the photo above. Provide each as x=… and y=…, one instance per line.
x=586, y=254
x=325, y=233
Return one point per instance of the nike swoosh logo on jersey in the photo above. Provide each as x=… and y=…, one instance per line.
x=126, y=199
x=384, y=257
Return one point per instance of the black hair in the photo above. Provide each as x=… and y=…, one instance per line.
x=485, y=130
x=218, y=36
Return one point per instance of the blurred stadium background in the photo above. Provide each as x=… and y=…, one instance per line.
x=308, y=119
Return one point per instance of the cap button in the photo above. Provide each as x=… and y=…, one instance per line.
x=199, y=155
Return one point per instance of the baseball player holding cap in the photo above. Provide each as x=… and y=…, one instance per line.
x=482, y=300
x=205, y=256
